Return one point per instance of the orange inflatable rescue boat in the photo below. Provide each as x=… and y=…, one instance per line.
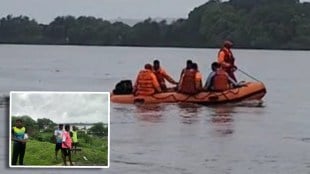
x=249, y=91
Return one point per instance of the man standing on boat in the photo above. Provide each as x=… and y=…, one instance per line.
x=226, y=59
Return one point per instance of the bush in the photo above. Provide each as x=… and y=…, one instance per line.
x=44, y=137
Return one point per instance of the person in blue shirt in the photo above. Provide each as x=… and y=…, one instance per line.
x=19, y=138
x=218, y=79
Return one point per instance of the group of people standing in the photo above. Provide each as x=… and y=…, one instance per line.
x=151, y=79
x=65, y=140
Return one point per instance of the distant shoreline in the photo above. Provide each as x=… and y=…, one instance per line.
x=259, y=25
x=147, y=46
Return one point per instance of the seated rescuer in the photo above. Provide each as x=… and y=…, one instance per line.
x=190, y=82
x=218, y=79
x=188, y=66
x=146, y=82
x=161, y=75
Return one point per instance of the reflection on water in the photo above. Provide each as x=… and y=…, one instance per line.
x=189, y=112
x=222, y=120
x=222, y=114
x=150, y=112
x=250, y=103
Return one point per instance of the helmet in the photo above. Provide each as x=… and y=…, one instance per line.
x=148, y=66
x=228, y=44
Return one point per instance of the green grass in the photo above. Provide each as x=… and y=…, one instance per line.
x=43, y=153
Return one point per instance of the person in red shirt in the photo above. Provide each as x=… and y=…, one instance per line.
x=66, y=145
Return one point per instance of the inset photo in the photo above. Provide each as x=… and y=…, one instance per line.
x=59, y=129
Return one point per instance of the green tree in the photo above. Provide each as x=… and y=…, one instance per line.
x=99, y=129
x=45, y=124
x=219, y=22
x=276, y=24
x=19, y=29
x=145, y=33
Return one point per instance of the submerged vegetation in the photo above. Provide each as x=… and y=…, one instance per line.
x=276, y=24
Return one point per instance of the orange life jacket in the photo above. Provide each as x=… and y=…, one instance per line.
x=145, y=83
x=188, y=82
x=160, y=78
x=228, y=56
x=220, y=81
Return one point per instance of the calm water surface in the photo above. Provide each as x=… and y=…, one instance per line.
x=176, y=138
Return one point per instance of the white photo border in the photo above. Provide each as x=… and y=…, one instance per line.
x=58, y=92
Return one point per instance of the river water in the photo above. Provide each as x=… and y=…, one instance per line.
x=175, y=138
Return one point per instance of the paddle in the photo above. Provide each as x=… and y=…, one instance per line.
x=248, y=75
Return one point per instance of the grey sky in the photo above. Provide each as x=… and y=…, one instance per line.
x=44, y=11
x=61, y=107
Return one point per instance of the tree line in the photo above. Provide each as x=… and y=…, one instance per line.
x=42, y=125
x=259, y=24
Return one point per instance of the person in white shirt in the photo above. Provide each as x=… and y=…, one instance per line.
x=58, y=139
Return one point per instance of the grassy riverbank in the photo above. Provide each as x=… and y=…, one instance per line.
x=40, y=153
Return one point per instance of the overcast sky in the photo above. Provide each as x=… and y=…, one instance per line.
x=62, y=107
x=44, y=11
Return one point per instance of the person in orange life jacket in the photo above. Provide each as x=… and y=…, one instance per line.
x=146, y=82
x=161, y=75
x=188, y=66
x=227, y=60
x=218, y=79
x=20, y=137
x=190, y=82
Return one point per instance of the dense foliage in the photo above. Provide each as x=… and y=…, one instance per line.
x=36, y=129
x=99, y=130
x=276, y=24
